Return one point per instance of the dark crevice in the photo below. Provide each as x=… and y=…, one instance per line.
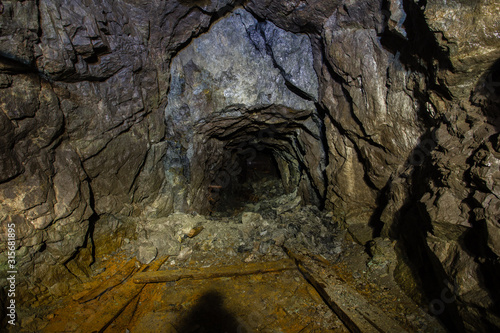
x=419, y=51
x=297, y=91
x=382, y=200
x=17, y=66
x=42, y=248
x=425, y=267
x=323, y=114
x=39, y=17
x=411, y=227
x=487, y=94
x=475, y=239
x=89, y=236
x=474, y=242
x=93, y=59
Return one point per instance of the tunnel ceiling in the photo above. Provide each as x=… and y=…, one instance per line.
x=383, y=112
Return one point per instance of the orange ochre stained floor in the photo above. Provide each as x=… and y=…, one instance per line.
x=270, y=302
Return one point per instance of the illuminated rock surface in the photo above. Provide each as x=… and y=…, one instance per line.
x=382, y=113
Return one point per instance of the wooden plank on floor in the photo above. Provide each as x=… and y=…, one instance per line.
x=122, y=322
x=352, y=308
x=119, y=298
x=98, y=313
x=119, y=277
x=214, y=271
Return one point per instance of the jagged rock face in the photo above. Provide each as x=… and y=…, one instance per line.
x=82, y=126
x=373, y=117
x=468, y=31
x=385, y=112
x=237, y=79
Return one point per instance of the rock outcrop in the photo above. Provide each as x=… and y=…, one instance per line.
x=385, y=112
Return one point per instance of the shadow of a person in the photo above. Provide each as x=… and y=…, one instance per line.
x=209, y=316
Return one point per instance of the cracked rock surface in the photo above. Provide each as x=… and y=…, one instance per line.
x=384, y=113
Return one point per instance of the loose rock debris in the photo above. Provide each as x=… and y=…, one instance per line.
x=265, y=269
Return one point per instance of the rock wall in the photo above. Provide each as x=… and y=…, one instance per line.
x=385, y=112
x=241, y=87
x=442, y=213
x=83, y=91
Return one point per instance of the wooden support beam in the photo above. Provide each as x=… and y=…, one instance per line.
x=214, y=271
x=352, y=308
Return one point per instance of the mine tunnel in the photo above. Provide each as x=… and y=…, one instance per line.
x=254, y=175
x=249, y=166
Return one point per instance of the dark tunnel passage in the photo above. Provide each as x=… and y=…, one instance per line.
x=254, y=177
x=263, y=165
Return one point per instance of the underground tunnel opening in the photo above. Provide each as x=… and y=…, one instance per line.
x=255, y=178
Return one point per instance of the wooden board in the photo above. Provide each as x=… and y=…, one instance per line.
x=214, y=271
x=119, y=277
x=97, y=314
x=119, y=298
x=352, y=308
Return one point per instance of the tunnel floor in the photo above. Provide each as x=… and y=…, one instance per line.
x=264, y=232
x=273, y=302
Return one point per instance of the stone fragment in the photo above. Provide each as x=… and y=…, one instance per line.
x=147, y=253
x=194, y=232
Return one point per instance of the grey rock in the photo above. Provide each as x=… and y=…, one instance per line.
x=292, y=54
x=185, y=253
x=264, y=247
x=286, y=203
x=250, y=223
x=147, y=253
x=210, y=77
